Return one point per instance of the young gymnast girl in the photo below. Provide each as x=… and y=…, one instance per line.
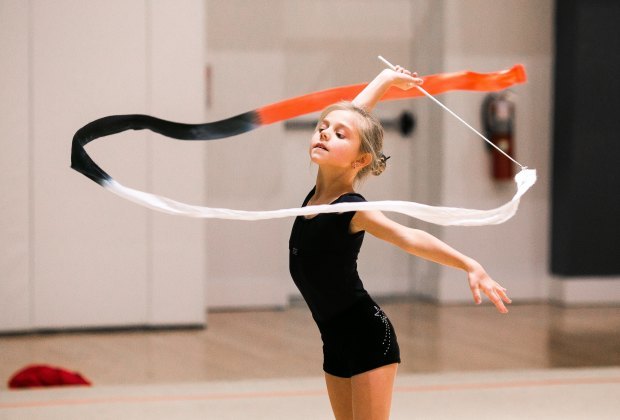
x=360, y=349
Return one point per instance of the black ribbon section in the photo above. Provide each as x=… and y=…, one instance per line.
x=81, y=161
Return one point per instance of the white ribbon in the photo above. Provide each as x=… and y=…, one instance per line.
x=446, y=216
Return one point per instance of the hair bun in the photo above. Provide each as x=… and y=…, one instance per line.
x=381, y=164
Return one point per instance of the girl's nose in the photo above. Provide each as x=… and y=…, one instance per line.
x=324, y=135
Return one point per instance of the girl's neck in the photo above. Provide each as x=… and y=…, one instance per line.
x=330, y=186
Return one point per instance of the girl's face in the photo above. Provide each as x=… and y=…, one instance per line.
x=336, y=142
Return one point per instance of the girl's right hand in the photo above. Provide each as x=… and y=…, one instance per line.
x=480, y=282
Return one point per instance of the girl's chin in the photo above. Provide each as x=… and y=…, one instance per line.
x=315, y=156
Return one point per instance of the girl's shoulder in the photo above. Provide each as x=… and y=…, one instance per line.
x=351, y=197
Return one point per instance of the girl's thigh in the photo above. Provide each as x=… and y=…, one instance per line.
x=339, y=391
x=371, y=393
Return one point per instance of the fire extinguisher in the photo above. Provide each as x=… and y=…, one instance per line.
x=498, y=114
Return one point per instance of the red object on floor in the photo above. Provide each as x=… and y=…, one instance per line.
x=43, y=376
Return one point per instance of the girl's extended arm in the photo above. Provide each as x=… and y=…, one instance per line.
x=372, y=93
x=424, y=245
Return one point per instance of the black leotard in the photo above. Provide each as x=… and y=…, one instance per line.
x=323, y=260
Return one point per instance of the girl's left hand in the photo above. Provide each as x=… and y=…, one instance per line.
x=403, y=78
x=479, y=281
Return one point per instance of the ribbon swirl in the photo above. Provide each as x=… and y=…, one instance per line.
x=281, y=111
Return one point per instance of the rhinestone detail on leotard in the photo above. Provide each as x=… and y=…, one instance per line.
x=387, y=338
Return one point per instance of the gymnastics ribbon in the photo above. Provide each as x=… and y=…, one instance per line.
x=287, y=109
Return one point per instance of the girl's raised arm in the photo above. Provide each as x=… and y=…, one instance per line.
x=372, y=93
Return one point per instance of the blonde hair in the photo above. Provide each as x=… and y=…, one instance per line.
x=371, y=137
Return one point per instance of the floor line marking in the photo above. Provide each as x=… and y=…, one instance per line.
x=308, y=393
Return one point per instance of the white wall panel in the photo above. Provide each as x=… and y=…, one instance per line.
x=247, y=262
x=515, y=253
x=73, y=255
x=14, y=166
x=353, y=19
x=90, y=247
x=178, y=167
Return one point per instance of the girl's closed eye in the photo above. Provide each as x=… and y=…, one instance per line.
x=339, y=134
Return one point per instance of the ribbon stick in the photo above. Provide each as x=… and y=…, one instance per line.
x=290, y=108
x=448, y=110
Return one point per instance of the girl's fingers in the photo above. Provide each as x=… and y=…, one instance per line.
x=493, y=290
x=497, y=296
x=403, y=70
x=493, y=297
x=415, y=80
x=501, y=308
x=502, y=293
x=477, y=298
x=497, y=301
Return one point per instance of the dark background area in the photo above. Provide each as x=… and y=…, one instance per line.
x=586, y=139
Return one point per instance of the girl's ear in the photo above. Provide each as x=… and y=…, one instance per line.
x=364, y=160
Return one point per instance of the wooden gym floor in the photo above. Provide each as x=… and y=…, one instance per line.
x=256, y=357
